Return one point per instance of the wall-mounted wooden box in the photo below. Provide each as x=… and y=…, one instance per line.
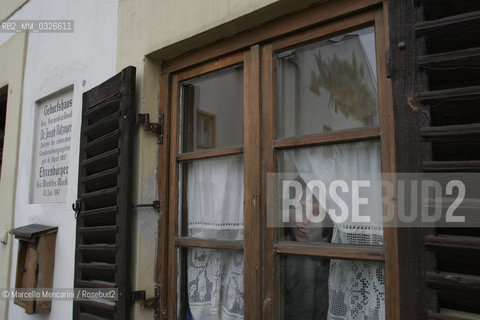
x=35, y=263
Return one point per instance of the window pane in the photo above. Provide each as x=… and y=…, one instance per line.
x=359, y=161
x=212, y=199
x=328, y=85
x=213, y=286
x=314, y=287
x=213, y=111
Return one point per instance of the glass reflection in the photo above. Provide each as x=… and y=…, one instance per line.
x=212, y=111
x=328, y=86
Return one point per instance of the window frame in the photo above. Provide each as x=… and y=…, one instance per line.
x=383, y=133
x=250, y=151
x=256, y=49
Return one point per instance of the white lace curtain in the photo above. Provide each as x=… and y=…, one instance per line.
x=215, y=211
x=356, y=288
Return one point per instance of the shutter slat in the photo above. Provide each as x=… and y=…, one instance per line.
x=99, y=253
x=103, y=126
x=455, y=254
x=98, y=271
x=104, y=143
x=436, y=97
x=101, y=180
x=100, y=194
x=93, y=310
x=100, y=198
x=102, y=257
x=97, y=266
x=103, y=109
x=449, y=24
x=466, y=131
x=97, y=304
x=451, y=166
x=439, y=316
x=88, y=316
x=100, y=211
x=453, y=242
x=99, y=234
x=467, y=58
x=101, y=162
x=95, y=284
x=100, y=175
x=436, y=9
x=455, y=291
x=451, y=33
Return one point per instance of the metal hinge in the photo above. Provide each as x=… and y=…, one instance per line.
x=157, y=128
x=388, y=63
x=153, y=302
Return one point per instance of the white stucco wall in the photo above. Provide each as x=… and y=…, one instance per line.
x=54, y=61
x=12, y=61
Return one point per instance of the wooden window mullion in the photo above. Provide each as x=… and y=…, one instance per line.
x=270, y=270
x=173, y=198
x=252, y=183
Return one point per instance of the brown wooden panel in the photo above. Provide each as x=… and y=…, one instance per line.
x=270, y=268
x=211, y=66
x=224, y=152
x=327, y=138
x=331, y=29
x=208, y=243
x=163, y=180
x=332, y=250
x=252, y=185
x=46, y=263
x=27, y=273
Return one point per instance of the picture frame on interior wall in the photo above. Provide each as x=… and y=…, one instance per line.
x=206, y=129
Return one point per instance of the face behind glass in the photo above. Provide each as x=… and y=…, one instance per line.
x=306, y=230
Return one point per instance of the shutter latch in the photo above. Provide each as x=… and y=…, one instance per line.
x=76, y=207
x=156, y=128
x=153, y=302
x=155, y=205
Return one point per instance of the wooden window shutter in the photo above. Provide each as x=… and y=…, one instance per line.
x=102, y=253
x=435, y=49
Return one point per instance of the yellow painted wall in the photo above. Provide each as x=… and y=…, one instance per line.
x=12, y=62
x=150, y=31
x=8, y=7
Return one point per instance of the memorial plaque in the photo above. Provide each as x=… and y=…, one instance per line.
x=52, y=144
